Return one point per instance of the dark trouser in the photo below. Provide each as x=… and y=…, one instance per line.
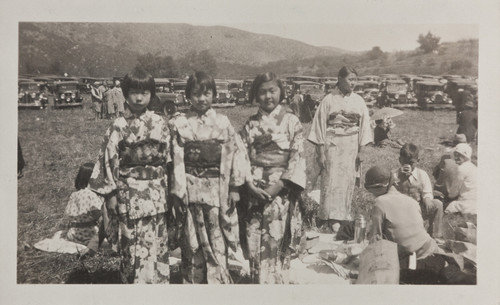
x=434, y=214
x=432, y=271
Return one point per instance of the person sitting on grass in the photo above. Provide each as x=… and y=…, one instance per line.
x=396, y=217
x=414, y=182
x=466, y=180
x=381, y=134
x=84, y=211
x=445, y=174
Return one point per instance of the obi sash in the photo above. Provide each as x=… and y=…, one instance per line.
x=147, y=152
x=265, y=153
x=342, y=123
x=202, y=158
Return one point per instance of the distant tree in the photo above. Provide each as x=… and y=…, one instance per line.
x=375, y=53
x=429, y=42
x=194, y=61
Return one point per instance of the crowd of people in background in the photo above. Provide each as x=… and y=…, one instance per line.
x=196, y=183
x=108, y=101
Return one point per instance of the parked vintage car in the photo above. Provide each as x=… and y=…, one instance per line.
x=170, y=97
x=31, y=95
x=431, y=95
x=223, y=93
x=329, y=85
x=67, y=95
x=372, y=78
x=393, y=92
x=454, y=88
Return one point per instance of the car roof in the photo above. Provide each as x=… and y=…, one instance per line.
x=396, y=81
x=305, y=82
x=68, y=83
x=30, y=83
x=430, y=82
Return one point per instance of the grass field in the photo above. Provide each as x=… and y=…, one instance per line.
x=56, y=143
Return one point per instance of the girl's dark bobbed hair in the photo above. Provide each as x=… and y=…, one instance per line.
x=138, y=79
x=199, y=82
x=264, y=78
x=83, y=176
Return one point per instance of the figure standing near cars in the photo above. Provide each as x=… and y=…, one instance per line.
x=467, y=118
x=296, y=103
x=340, y=130
x=132, y=175
x=118, y=99
x=96, y=101
x=274, y=142
x=209, y=166
x=104, y=110
x=108, y=98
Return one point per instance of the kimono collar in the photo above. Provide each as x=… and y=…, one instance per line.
x=336, y=91
x=210, y=114
x=273, y=114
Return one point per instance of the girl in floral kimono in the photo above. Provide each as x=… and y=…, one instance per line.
x=208, y=168
x=274, y=141
x=133, y=177
x=340, y=130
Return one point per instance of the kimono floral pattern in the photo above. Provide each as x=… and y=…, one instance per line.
x=273, y=229
x=203, y=184
x=131, y=170
x=83, y=211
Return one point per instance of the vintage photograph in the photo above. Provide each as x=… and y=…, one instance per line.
x=250, y=152
x=174, y=153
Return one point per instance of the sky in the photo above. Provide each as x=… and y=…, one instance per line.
x=362, y=37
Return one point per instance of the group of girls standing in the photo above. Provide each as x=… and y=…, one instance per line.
x=195, y=167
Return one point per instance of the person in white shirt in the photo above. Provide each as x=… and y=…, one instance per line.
x=467, y=191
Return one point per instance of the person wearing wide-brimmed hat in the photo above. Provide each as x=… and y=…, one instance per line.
x=467, y=181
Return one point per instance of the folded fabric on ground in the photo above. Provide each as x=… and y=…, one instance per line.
x=60, y=245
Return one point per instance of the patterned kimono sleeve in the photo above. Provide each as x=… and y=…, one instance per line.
x=179, y=187
x=99, y=181
x=240, y=169
x=296, y=169
x=245, y=142
x=365, y=130
x=318, y=126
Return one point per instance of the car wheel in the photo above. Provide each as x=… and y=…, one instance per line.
x=169, y=109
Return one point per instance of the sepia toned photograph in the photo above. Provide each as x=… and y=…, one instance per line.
x=248, y=152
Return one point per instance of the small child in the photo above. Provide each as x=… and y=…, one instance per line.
x=84, y=211
x=381, y=134
x=414, y=182
x=132, y=174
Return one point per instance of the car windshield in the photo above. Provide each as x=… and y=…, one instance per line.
x=432, y=88
x=28, y=87
x=67, y=87
x=396, y=87
x=179, y=87
x=308, y=87
x=222, y=86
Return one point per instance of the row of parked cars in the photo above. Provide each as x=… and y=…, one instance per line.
x=34, y=92
x=394, y=90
